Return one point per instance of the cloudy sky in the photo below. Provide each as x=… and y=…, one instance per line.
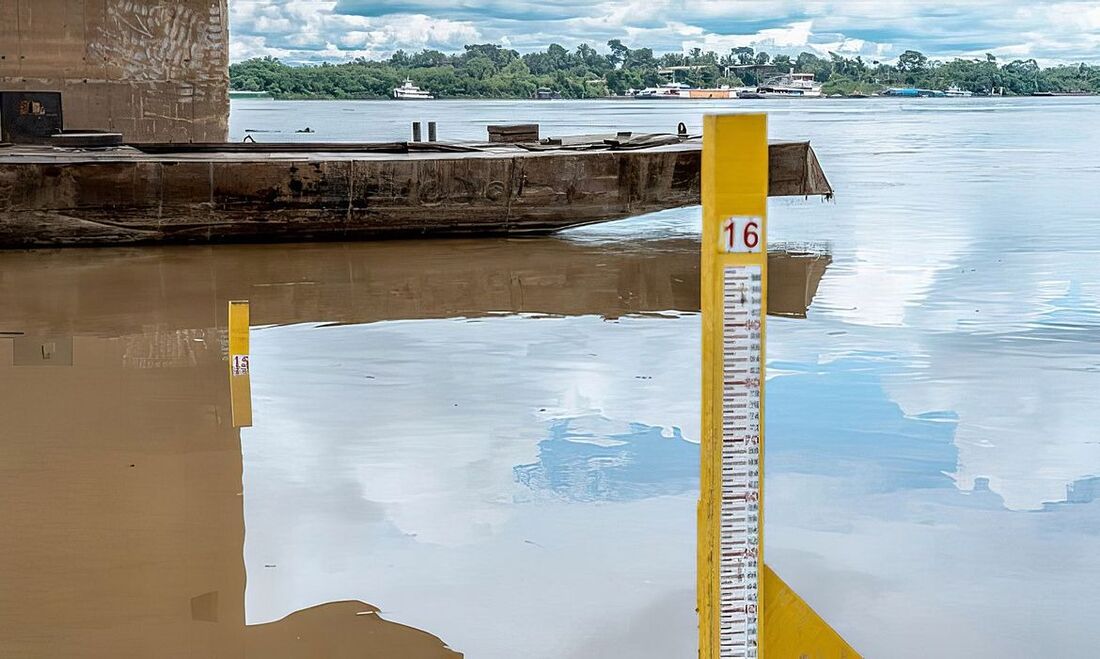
x=334, y=30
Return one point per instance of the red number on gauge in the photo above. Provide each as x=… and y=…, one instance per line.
x=750, y=237
x=741, y=234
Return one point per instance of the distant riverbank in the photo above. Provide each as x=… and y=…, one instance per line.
x=489, y=71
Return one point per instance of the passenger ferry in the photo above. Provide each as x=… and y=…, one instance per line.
x=788, y=85
x=954, y=91
x=410, y=92
x=791, y=85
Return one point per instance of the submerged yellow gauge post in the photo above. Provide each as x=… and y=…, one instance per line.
x=240, y=385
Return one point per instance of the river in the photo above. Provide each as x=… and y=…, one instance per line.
x=494, y=442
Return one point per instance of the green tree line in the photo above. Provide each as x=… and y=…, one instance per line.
x=492, y=71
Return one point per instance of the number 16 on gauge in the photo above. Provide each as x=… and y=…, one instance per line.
x=741, y=234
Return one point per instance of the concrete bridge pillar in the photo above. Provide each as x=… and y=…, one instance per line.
x=154, y=70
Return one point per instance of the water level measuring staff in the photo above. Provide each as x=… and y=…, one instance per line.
x=745, y=610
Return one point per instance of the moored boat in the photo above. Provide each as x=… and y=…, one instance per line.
x=787, y=85
x=713, y=93
x=770, y=91
x=667, y=91
x=913, y=92
x=546, y=94
x=791, y=85
x=410, y=92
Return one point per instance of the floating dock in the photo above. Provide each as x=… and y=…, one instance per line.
x=215, y=193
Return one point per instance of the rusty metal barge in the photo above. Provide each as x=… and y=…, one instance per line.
x=161, y=170
x=211, y=193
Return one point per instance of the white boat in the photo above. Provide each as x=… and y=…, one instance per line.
x=666, y=91
x=770, y=91
x=410, y=92
x=680, y=90
x=788, y=85
x=955, y=92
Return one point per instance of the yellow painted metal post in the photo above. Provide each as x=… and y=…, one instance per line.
x=793, y=629
x=240, y=385
x=745, y=610
x=735, y=198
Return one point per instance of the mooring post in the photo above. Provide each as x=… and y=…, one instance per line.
x=431, y=131
x=416, y=131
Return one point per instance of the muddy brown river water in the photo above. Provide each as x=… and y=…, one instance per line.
x=488, y=448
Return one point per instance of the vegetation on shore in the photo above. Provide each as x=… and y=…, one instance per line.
x=492, y=71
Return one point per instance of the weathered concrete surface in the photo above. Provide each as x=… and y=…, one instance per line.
x=154, y=70
x=124, y=196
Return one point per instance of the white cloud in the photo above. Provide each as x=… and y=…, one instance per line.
x=298, y=31
x=316, y=30
x=791, y=39
x=794, y=36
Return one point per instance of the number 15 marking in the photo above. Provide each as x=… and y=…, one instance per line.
x=741, y=233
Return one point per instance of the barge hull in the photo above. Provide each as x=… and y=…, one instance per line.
x=51, y=197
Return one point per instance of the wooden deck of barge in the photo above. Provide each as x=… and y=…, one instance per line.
x=294, y=192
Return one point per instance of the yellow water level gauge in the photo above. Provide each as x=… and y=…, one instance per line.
x=744, y=609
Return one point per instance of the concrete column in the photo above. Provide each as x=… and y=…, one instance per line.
x=154, y=70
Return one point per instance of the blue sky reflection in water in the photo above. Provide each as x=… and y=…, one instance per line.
x=584, y=464
x=933, y=442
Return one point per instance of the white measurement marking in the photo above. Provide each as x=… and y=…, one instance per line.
x=739, y=535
